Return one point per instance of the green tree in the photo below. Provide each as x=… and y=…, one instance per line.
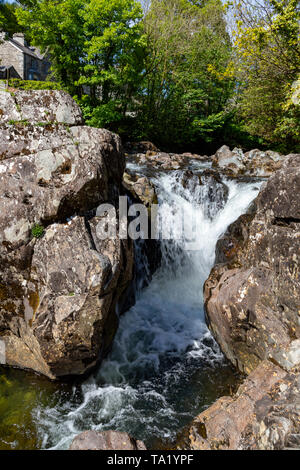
x=57, y=27
x=268, y=67
x=8, y=20
x=94, y=45
x=187, y=73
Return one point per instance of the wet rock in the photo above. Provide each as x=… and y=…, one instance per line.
x=263, y=415
x=254, y=163
x=231, y=162
x=252, y=296
x=140, y=188
x=106, y=440
x=39, y=106
x=59, y=293
x=161, y=160
x=140, y=147
x=141, y=191
x=263, y=164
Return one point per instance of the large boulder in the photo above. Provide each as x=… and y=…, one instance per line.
x=165, y=161
x=140, y=188
x=264, y=414
x=252, y=300
x=106, y=440
x=252, y=296
x=61, y=286
x=255, y=163
x=263, y=164
x=39, y=106
x=229, y=161
x=140, y=147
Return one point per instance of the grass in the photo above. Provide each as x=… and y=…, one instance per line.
x=37, y=231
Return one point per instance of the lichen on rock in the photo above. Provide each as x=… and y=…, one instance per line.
x=255, y=163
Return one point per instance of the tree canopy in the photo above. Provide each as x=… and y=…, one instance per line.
x=184, y=73
x=8, y=20
x=185, y=88
x=268, y=67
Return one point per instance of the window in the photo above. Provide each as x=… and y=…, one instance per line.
x=33, y=63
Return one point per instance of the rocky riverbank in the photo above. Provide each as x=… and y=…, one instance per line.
x=263, y=415
x=232, y=163
x=252, y=305
x=252, y=296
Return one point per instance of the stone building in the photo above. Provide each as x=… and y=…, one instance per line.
x=20, y=60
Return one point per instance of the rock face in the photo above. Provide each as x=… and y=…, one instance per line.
x=106, y=440
x=140, y=188
x=263, y=415
x=252, y=298
x=140, y=147
x=40, y=106
x=254, y=163
x=59, y=294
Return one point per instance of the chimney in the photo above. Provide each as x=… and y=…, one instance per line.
x=20, y=38
x=3, y=35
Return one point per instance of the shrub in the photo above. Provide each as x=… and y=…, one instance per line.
x=37, y=231
x=33, y=85
x=100, y=114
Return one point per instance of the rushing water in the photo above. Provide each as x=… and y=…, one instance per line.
x=164, y=367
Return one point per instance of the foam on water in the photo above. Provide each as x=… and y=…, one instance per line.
x=132, y=166
x=196, y=165
x=164, y=367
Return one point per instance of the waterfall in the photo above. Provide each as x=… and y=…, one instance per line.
x=164, y=367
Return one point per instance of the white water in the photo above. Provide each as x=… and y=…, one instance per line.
x=164, y=366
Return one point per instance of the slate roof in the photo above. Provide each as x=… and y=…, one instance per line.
x=27, y=50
